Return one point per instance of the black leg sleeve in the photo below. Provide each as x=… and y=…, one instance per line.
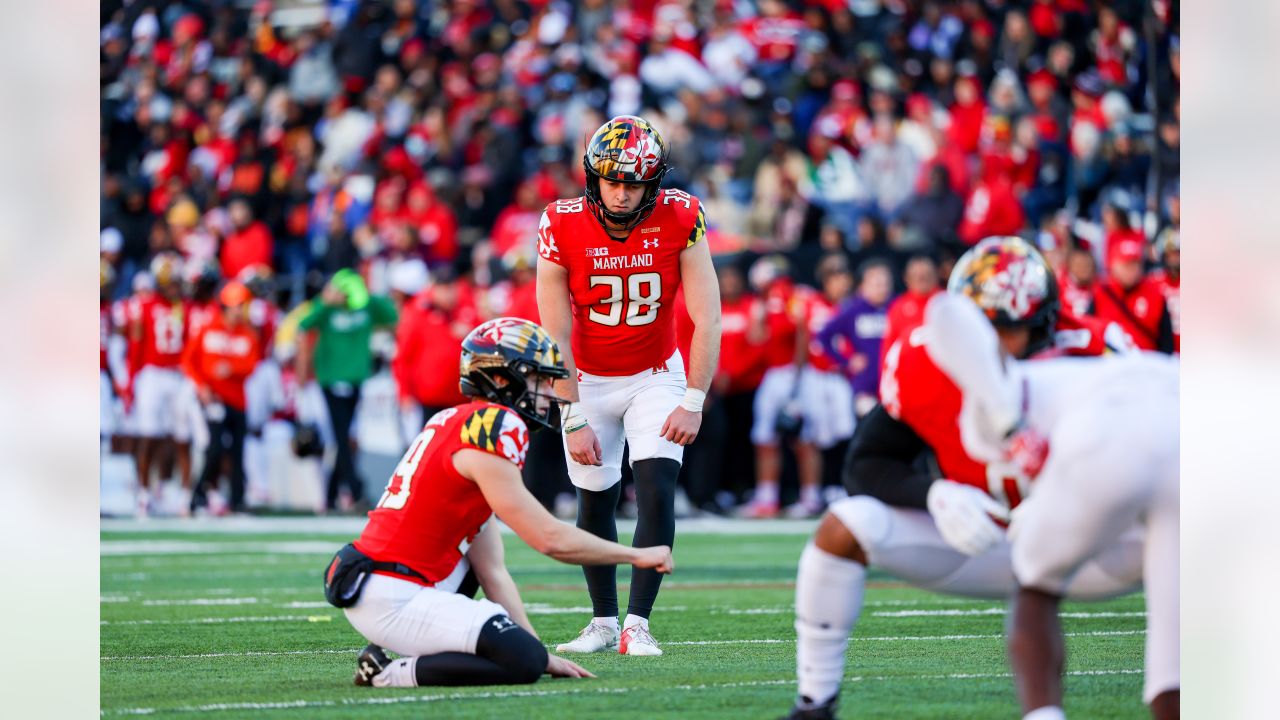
x=596, y=515
x=655, y=525
x=506, y=654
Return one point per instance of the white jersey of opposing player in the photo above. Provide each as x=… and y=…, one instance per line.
x=1112, y=430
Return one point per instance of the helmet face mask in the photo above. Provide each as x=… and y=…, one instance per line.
x=627, y=149
x=501, y=356
x=1013, y=286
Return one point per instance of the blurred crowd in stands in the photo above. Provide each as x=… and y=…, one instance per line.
x=300, y=197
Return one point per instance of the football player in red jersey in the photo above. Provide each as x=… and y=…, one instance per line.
x=432, y=535
x=810, y=389
x=1100, y=440
x=609, y=265
x=157, y=328
x=934, y=527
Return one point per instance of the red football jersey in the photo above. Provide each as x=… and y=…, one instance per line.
x=200, y=315
x=811, y=307
x=429, y=514
x=780, y=348
x=163, y=329
x=622, y=292
x=742, y=360
x=915, y=391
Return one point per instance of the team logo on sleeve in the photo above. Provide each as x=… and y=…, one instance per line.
x=479, y=430
x=497, y=431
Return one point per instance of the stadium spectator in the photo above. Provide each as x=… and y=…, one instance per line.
x=249, y=242
x=853, y=336
x=219, y=360
x=344, y=321
x=930, y=218
x=906, y=312
x=1133, y=300
x=1078, y=283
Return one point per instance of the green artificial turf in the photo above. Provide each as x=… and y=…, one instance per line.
x=235, y=625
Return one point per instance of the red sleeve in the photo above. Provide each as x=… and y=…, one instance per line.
x=547, y=247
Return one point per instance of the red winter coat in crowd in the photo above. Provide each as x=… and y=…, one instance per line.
x=992, y=209
x=242, y=248
x=1140, y=310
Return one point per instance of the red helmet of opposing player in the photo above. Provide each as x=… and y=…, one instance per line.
x=627, y=149
x=1012, y=284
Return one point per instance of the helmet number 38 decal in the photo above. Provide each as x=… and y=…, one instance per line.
x=643, y=293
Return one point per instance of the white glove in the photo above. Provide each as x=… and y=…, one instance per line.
x=963, y=515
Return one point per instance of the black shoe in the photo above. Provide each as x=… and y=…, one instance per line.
x=371, y=662
x=806, y=710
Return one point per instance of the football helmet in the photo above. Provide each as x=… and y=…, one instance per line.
x=497, y=359
x=1012, y=285
x=202, y=280
x=166, y=269
x=626, y=149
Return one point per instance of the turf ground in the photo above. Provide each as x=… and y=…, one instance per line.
x=229, y=620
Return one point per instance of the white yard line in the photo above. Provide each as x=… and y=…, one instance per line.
x=758, y=641
x=221, y=620
x=112, y=548
x=396, y=700
x=999, y=611
x=206, y=601
x=353, y=525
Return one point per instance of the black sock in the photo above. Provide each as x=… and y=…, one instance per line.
x=506, y=654
x=596, y=513
x=655, y=525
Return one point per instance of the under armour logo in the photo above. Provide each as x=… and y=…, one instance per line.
x=650, y=243
x=503, y=624
x=661, y=368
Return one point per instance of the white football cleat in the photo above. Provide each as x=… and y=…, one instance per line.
x=636, y=640
x=595, y=637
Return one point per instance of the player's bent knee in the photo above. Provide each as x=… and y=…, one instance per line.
x=864, y=519
x=513, y=648
x=833, y=537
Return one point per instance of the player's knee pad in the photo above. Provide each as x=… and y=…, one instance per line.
x=513, y=648
x=865, y=517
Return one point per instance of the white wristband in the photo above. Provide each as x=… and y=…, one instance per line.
x=693, y=400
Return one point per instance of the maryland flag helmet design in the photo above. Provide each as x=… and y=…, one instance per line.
x=1012, y=284
x=626, y=149
x=499, y=356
